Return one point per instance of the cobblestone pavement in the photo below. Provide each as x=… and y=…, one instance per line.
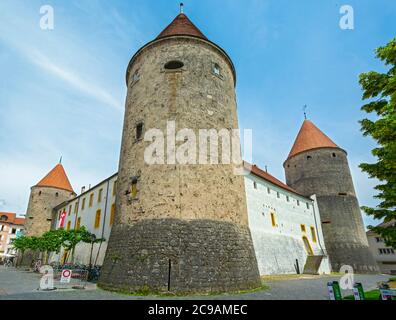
x=22, y=285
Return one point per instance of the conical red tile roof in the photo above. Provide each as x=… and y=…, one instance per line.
x=181, y=26
x=310, y=137
x=56, y=178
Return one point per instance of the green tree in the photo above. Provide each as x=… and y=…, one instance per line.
x=380, y=89
x=21, y=244
x=74, y=237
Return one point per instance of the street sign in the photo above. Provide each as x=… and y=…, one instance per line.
x=358, y=291
x=334, y=290
x=66, y=276
x=387, y=294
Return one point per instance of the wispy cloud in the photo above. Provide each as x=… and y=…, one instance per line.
x=73, y=79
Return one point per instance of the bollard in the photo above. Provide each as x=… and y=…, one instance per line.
x=334, y=290
x=358, y=292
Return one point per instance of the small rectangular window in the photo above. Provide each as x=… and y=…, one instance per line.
x=114, y=187
x=70, y=210
x=100, y=195
x=277, y=195
x=307, y=205
x=268, y=190
x=97, y=219
x=75, y=207
x=302, y=227
x=254, y=185
x=273, y=219
x=83, y=204
x=91, y=196
x=216, y=70
x=112, y=213
x=78, y=223
x=298, y=202
x=287, y=198
x=139, y=131
x=68, y=226
x=313, y=234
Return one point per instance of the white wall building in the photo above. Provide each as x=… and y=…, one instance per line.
x=385, y=256
x=285, y=226
x=94, y=209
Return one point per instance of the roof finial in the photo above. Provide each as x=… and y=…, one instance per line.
x=305, y=111
x=181, y=7
x=60, y=160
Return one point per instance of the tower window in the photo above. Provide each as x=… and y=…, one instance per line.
x=173, y=65
x=56, y=194
x=334, y=155
x=134, y=189
x=216, y=69
x=139, y=131
x=135, y=76
x=309, y=157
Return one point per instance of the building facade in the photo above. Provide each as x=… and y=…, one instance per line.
x=383, y=255
x=11, y=227
x=285, y=226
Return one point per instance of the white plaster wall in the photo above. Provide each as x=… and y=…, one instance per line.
x=277, y=248
x=389, y=259
x=82, y=251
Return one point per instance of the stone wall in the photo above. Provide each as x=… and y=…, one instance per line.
x=39, y=212
x=180, y=256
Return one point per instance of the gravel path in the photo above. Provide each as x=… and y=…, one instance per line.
x=22, y=285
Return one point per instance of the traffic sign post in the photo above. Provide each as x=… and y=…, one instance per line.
x=334, y=290
x=358, y=292
x=66, y=276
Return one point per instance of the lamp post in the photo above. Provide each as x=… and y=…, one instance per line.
x=93, y=239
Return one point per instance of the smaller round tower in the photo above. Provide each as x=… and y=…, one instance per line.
x=316, y=165
x=50, y=191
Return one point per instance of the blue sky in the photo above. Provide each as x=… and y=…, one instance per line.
x=62, y=91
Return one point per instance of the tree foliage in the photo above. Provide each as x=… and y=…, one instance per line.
x=54, y=240
x=380, y=90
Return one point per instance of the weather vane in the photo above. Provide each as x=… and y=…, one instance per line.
x=305, y=111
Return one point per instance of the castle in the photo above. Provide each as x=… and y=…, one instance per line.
x=201, y=227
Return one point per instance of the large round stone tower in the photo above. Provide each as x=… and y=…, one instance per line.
x=316, y=165
x=179, y=228
x=50, y=191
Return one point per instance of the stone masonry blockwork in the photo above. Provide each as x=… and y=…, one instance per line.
x=325, y=172
x=203, y=256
